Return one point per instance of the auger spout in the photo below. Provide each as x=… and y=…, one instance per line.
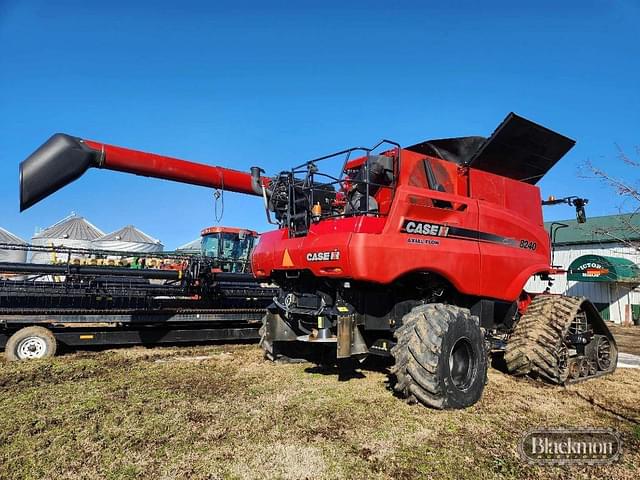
x=63, y=159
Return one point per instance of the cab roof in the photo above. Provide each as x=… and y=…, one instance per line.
x=209, y=230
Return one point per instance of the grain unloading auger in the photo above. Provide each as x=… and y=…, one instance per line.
x=63, y=158
x=419, y=253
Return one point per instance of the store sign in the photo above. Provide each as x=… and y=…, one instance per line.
x=592, y=270
x=600, y=268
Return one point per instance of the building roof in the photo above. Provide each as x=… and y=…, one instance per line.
x=131, y=234
x=191, y=247
x=606, y=229
x=8, y=237
x=74, y=227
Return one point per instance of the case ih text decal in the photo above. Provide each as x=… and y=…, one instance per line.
x=323, y=256
x=423, y=228
x=416, y=227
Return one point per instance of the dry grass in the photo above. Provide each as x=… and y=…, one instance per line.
x=170, y=413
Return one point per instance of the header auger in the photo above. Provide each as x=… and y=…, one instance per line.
x=419, y=254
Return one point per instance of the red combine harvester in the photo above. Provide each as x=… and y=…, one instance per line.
x=418, y=253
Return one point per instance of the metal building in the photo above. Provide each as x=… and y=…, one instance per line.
x=601, y=259
x=9, y=255
x=191, y=248
x=73, y=231
x=128, y=239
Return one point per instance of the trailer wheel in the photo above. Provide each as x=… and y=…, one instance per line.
x=440, y=357
x=31, y=342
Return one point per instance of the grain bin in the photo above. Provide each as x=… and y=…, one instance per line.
x=73, y=231
x=128, y=239
x=8, y=254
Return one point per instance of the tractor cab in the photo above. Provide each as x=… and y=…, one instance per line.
x=229, y=247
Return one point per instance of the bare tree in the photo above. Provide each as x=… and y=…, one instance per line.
x=628, y=190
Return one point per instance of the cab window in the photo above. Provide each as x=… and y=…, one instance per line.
x=431, y=175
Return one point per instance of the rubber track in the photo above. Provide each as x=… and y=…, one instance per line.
x=533, y=346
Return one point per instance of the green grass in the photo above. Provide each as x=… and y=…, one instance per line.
x=161, y=413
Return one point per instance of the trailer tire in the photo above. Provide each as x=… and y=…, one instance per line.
x=31, y=343
x=440, y=357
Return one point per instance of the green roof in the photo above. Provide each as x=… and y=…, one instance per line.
x=598, y=268
x=606, y=229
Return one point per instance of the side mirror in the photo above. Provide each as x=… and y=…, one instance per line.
x=581, y=215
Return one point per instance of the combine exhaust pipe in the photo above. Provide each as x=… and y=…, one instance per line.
x=63, y=159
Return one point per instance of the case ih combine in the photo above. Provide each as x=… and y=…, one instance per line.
x=418, y=253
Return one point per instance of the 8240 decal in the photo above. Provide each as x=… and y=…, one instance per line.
x=528, y=245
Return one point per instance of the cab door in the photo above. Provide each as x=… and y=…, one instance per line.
x=436, y=201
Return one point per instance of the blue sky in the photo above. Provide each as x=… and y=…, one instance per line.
x=275, y=83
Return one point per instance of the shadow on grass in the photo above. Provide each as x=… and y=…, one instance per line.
x=348, y=368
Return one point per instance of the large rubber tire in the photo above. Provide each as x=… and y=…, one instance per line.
x=31, y=343
x=440, y=357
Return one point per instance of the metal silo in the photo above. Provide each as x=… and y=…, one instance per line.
x=10, y=255
x=73, y=232
x=128, y=239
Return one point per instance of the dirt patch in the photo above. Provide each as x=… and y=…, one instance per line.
x=226, y=413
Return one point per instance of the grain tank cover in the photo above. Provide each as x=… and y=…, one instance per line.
x=521, y=149
x=518, y=149
x=457, y=150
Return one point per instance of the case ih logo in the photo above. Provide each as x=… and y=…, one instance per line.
x=323, y=256
x=423, y=228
